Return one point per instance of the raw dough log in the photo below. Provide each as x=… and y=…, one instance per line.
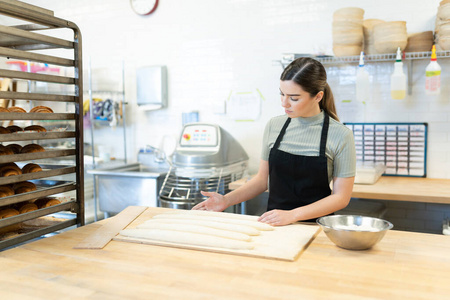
x=212, y=214
x=255, y=224
x=196, y=229
x=217, y=225
x=186, y=238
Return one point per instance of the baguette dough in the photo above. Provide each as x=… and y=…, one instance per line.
x=213, y=214
x=255, y=224
x=196, y=229
x=217, y=225
x=186, y=238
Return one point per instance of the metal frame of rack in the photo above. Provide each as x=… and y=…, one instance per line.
x=408, y=57
x=20, y=42
x=121, y=94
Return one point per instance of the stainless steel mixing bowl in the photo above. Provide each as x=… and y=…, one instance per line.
x=354, y=232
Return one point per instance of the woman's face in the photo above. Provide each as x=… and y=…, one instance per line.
x=296, y=102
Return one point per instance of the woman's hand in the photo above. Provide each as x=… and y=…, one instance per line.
x=277, y=217
x=215, y=202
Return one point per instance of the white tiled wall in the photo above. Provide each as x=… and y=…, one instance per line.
x=212, y=48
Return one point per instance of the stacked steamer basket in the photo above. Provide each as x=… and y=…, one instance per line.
x=420, y=42
x=348, y=34
x=442, y=29
x=388, y=36
x=369, y=39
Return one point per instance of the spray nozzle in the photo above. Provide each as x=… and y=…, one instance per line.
x=361, y=59
x=399, y=55
x=433, y=53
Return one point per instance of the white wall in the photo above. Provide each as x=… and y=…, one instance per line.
x=214, y=47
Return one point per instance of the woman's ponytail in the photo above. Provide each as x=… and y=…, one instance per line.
x=327, y=103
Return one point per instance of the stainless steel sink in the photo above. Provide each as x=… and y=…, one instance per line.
x=131, y=184
x=130, y=170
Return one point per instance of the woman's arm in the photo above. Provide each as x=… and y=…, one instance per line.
x=249, y=190
x=340, y=197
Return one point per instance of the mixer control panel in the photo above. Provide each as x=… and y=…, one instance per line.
x=199, y=136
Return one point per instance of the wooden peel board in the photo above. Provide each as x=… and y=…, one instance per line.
x=104, y=234
x=283, y=243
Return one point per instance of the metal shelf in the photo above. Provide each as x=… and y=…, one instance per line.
x=333, y=60
x=36, y=116
x=408, y=58
x=12, y=137
x=17, y=42
x=36, y=155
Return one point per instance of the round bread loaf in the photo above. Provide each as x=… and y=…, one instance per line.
x=14, y=148
x=17, y=109
x=14, y=128
x=37, y=128
x=24, y=187
x=46, y=202
x=31, y=148
x=31, y=168
x=3, y=109
x=8, y=212
x=27, y=207
x=10, y=169
x=41, y=109
x=6, y=190
x=5, y=151
x=4, y=130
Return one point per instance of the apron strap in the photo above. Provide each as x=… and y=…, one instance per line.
x=280, y=136
x=323, y=138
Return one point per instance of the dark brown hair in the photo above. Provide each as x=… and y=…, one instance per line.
x=312, y=77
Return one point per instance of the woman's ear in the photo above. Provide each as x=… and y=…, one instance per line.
x=319, y=96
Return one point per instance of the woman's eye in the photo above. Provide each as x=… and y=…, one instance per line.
x=293, y=99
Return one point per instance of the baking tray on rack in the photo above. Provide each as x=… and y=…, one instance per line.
x=43, y=188
x=47, y=171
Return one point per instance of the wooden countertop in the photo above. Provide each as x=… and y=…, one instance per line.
x=404, y=265
x=397, y=188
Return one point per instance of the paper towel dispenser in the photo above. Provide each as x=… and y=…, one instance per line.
x=151, y=87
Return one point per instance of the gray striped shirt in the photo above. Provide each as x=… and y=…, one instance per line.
x=302, y=137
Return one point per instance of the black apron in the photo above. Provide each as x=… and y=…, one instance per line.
x=297, y=180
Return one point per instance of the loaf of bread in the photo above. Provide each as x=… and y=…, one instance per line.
x=5, y=151
x=10, y=169
x=3, y=109
x=6, y=190
x=14, y=148
x=8, y=212
x=46, y=202
x=37, y=128
x=27, y=207
x=31, y=148
x=31, y=168
x=23, y=187
x=17, y=109
x=4, y=130
x=14, y=128
x=41, y=109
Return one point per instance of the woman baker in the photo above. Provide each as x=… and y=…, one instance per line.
x=303, y=151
